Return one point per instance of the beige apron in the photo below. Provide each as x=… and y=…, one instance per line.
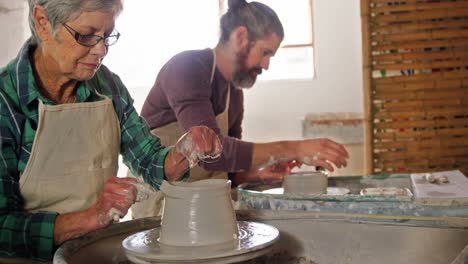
x=75, y=150
x=169, y=135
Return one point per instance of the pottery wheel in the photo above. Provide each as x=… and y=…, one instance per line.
x=255, y=239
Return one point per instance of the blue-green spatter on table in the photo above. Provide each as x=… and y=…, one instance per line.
x=356, y=207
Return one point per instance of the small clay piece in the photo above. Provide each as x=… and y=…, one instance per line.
x=429, y=178
x=442, y=179
x=313, y=182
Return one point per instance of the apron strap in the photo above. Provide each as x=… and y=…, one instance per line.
x=213, y=68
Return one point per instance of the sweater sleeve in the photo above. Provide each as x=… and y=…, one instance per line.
x=186, y=83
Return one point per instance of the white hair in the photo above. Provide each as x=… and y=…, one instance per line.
x=61, y=11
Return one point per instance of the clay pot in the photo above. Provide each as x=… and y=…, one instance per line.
x=198, y=213
x=313, y=182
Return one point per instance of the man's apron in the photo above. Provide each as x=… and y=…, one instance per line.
x=169, y=135
x=75, y=150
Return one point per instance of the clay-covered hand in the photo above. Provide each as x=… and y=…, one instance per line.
x=276, y=172
x=200, y=143
x=322, y=152
x=116, y=197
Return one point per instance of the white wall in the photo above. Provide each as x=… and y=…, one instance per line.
x=274, y=109
x=13, y=28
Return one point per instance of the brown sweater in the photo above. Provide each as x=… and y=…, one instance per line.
x=183, y=93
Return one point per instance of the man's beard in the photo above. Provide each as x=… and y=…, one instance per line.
x=242, y=76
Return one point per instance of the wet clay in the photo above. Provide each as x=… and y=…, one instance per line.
x=306, y=183
x=198, y=213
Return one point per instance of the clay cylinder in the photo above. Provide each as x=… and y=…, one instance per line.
x=305, y=183
x=198, y=213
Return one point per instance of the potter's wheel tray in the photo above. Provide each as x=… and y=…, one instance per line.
x=330, y=191
x=254, y=240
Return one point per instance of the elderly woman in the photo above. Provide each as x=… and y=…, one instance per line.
x=64, y=119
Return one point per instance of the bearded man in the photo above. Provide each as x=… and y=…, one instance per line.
x=204, y=87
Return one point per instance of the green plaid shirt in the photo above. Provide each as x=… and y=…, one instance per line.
x=30, y=235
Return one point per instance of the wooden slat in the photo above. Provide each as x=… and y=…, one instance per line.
x=415, y=26
x=438, y=75
x=420, y=170
x=418, y=6
x=423, y=35
x=367, y=76
x=431, y=143
x=386, y=2
x=398, y=1
x=422, y=95
x=420, y=113
x=432, y=153
x=463, y=42
x=423, y=162
x=422, y=85
x=420, y=15
x=423, y=165
x=421, y=56
x=401, y=124
x=417, y=66
x=411, y=105
x=421, y=77
x=436, y=134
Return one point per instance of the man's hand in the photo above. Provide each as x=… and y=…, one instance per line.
x=321, y=152
x=269, y=174
x=200, y=143
x=276, y=172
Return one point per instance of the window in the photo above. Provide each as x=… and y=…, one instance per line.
x=154, y=31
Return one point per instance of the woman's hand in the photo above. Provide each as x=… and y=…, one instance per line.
x=116, y=197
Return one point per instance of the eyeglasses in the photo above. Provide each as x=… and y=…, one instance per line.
x=91, y=40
